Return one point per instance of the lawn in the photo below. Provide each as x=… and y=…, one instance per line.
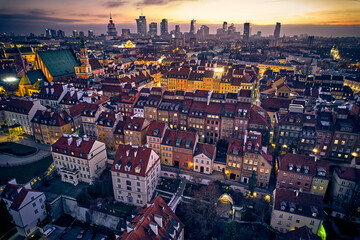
x=16, y=149
x=24, y=173
x=121, y=209
x=168, y=184
x=190, y=189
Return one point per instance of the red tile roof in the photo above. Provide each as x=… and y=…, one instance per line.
x=172, y=138
x=156, y=129
x=18, y=106
x=348, y=173
x=303, y=162
x=62, y=146
x=52, y=118
x=171, y=224
x=304, y=204
x=95, y=64
x=203, y=148
x=16, y=194
x=129, y=159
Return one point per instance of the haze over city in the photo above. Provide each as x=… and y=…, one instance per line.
x=321, y=18
x=179, y=119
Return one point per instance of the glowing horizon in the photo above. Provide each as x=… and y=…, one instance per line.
x=258, y=12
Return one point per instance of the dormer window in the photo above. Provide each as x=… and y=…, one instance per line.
x=306, y=169
x=283, y=205
x=298, y=168
x=291, y=167
x=138, y=169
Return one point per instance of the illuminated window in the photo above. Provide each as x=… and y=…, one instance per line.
x=336, y=141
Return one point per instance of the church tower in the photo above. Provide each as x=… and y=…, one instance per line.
x=111, y=28
x=83, y=69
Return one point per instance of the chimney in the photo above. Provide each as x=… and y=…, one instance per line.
x=154, y=227
x=69, y=140
x=78, y=142
x=52, y=91
x=127, y=152
x=158, y=220
x=47, y=90
x=135, y=153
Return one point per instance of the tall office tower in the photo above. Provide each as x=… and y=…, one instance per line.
x=141, y=26
x=203, y=32
x=125, y=33
x=192, y=26
x=153, y=29
x=177, y=31
x=48, y=33
x=81, y=34
x=225, y=26
x=111, y=28
x=75, y=34
x=90, y=34
x=277, y=30
x=60, y=34
x=164, y=27
x=53, y=33
x=258, y=34
x=310, y=41
x=247, y=30
x=232, y=29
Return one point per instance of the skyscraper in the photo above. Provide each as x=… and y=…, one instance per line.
x=75, y=34
x=192, y=26
x=247, y=30
x=310, y=41
x=141, y=26
x=203, y=32
x=177, y=31
x=232, y=29
x=277, y=30
x=153, y=29
x=90, y=34
x=111, y=28
x=125, y=33
x=225, y=26
x=164, y=27
x=60, y=34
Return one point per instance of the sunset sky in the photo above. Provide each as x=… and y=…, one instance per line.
x=24, y=16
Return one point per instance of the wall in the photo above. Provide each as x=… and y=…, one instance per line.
x=69, y=205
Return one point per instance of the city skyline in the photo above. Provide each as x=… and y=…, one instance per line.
x=325, y=18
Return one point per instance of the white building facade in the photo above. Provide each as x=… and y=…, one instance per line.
x=79, y=159
x=135, y=174
x=25, y=205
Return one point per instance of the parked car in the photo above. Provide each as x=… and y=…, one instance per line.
x=49, y=231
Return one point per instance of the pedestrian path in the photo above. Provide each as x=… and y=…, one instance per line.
x=176, y=199
x=9, y=160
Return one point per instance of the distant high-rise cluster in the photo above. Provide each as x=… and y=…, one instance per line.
x=192, y=26
x=247, y=30
x=164, y=28
x=153, y=29
x=277, y=30
x=141, y=26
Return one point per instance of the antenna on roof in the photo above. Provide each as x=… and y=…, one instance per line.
x=142, y=12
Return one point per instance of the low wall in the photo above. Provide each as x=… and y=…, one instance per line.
x=70, y=206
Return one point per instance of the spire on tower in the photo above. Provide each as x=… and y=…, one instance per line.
x=110, y=15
